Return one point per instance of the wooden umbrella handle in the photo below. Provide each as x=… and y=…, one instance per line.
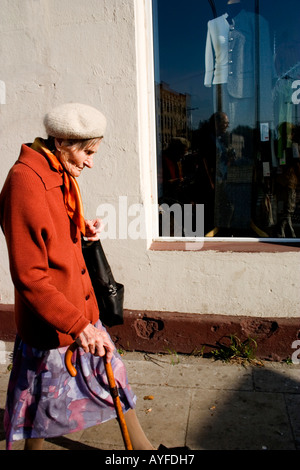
x=68, y=360
x=113, y=391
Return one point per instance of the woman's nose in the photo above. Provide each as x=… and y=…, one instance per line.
x=89, y=162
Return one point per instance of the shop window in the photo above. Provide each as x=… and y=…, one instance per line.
x=227, y=89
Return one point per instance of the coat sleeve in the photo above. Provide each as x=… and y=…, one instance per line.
x=209, y=60
x=26, y=228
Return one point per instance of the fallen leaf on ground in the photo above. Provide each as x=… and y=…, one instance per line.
x=148, y=397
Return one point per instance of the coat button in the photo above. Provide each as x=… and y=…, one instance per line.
x=87, y=297
x=83, y=271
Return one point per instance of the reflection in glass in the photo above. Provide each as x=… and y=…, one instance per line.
x=227, y=81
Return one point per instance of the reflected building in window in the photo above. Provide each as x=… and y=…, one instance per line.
x=172, y=114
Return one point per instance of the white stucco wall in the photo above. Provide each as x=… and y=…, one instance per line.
x=95, y=52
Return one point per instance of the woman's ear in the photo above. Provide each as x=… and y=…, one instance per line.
x=57, y=143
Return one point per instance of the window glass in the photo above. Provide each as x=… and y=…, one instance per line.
x=227, y=88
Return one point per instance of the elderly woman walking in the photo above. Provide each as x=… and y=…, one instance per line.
x=42, y=219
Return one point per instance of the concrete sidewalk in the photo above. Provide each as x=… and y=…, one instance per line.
x=199, y=403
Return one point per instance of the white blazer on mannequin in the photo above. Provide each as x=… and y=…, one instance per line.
x=230, y=54
x=216, y=51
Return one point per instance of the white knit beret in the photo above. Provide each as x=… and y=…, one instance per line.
x=75, y=121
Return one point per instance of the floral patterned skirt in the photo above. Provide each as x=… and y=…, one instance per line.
x=44, y=401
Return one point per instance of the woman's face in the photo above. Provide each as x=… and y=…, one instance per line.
x=75, y=159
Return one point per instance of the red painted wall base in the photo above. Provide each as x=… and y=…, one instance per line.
x=187, y=333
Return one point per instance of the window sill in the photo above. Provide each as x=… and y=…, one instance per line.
x=224, y=245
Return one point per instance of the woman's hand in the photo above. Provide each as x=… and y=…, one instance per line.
x=93, y=229
x=95, y=341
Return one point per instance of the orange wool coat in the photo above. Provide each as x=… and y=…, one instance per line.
x=54, y=297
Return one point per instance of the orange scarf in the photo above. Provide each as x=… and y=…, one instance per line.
x=72, y=196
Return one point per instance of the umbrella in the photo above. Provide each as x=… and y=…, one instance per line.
x=113, y=390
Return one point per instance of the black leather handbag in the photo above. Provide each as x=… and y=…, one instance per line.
x=109, y=293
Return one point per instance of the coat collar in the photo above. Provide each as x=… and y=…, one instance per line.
x=40, y=166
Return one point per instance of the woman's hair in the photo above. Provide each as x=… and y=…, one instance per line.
x=77, y=143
